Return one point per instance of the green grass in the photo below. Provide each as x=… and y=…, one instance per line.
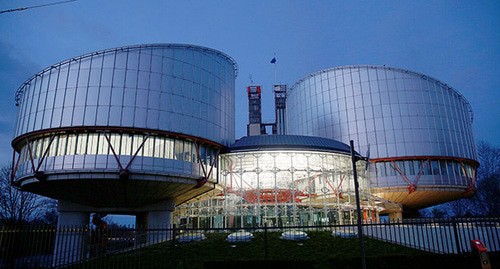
x=319, y=251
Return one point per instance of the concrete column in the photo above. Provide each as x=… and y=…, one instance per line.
x=158, y=223
x=157, y=219
x=396, y=216
x=71, y=236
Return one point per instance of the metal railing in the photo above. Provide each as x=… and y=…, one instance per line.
x=80, y=247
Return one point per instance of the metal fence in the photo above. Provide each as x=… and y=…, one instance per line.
x=51, y=247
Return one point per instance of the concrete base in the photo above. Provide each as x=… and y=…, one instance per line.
x=70, y=238
x=396, y=216
x=156, y=222
x=152, y=222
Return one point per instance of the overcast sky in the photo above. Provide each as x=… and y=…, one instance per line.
x=456, y=42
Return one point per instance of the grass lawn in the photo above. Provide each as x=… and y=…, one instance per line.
x=319, y=251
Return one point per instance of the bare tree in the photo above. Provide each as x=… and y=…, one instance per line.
x=459, y=208
x=489, y=159
x=486, y=201
x=18, y=206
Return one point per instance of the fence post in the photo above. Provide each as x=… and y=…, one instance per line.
x=265, y=242
x=173, y=232
x=455, y=232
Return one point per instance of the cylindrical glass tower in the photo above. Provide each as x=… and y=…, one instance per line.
x=126, y=127
x=416, y=130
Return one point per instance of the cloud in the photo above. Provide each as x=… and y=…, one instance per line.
x=15, y=68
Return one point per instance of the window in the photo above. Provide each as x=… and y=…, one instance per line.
x=178, y=149
x=92, y=144
x=159, y=147
x=103, y=145
x=71, y=145
x=136, y=143
x=81, y=144
x=435, y=167
x=61, y=148
x=122, y=144
x=149, y=147
x=444, y=170
x=410, y=169
x=169, y=148
x=126, y=145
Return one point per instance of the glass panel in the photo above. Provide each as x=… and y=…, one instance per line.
x=40, y=145
x=458, y=169
x=61, y=149
x=443, y=166
x=71, y=144
x=53, y=146
x=435, y=167
x=136, y=143
x=103, y=146
x=169, y=148
x=428, y=168
x=418, y=166
x=410, y=169
x=126, y=146
x=203, y=154
x=178, y=149
x=92, y=144
x=159, y=147
x=133, y=60
x=81, y=144
x=115, y=140
x=187, y=154
x=149, y=147
x=401, y=166
x=131, y=79
x=390, y=169
x=451, y=171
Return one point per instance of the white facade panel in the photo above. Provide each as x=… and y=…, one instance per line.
x=401, y=112
x=147, y=87
x=417, y=130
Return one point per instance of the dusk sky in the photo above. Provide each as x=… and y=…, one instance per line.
x=456, y=42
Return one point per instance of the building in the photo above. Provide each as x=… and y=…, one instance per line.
x=416, y=130
x=132, y=130
x=143, y=130
x=284, y=180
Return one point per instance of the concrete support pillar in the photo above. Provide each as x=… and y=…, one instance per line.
x=70, y=245
x=396, y=216
x=156, y=222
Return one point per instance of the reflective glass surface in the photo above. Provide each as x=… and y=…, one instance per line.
x=174, y=88
x=282, y=188
x=390, y=112
x=97, y=150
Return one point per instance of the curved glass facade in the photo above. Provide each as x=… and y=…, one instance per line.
x=391, y=112
x=429, y=172
x=177, y=88
x=393, y=115
x=132, y=125
x=282, y=188
x=89, y=151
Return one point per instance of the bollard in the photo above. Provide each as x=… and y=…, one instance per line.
x=482, y=252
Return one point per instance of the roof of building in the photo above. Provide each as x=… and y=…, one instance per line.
x=288, y=142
